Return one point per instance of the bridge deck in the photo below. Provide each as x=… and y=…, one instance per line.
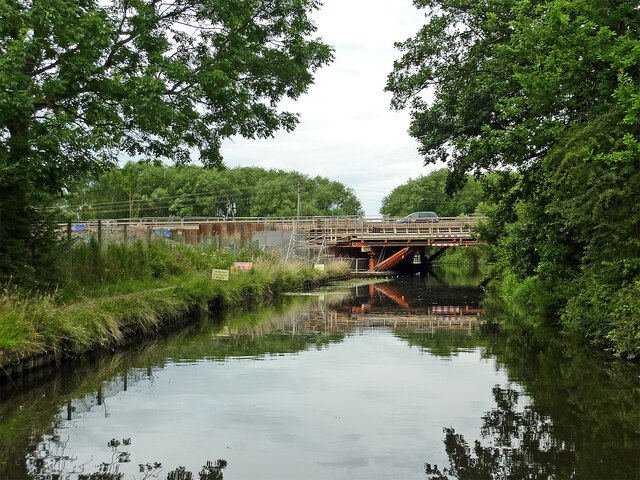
x=393, y=233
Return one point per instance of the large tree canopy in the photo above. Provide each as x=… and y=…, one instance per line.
x=495, y=83
x=83, y=82
x=548, y=92
x=86, y=80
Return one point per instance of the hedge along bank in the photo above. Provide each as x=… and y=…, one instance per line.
x=109, y=296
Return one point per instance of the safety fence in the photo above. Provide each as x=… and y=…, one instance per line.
x=107, y=233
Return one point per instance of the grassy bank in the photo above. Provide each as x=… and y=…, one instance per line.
x=475, y=256
x=588, y=302
x=605, y=315
x=105, y=295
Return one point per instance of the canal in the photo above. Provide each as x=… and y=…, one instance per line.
x=414, y=378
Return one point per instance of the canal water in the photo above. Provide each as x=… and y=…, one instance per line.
x=414, y=378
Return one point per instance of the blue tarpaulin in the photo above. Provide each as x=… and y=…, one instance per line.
x=163, y=232
x=78, y=228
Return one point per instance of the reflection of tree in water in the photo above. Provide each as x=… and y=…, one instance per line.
x=443, y=343
x=584, y=414
x=521, y=446
x=210, y=471
x=50, y=462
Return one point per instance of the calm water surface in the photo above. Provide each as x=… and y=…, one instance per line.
x=414, y=378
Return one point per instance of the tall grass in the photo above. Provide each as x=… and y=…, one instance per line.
x=104, y=294
x=474, y=255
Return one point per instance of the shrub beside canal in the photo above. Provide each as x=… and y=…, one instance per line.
x=105, y=295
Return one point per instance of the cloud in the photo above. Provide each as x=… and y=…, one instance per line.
x=348, y=131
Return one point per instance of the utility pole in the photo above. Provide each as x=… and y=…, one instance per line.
x=296, y=228
x=298, y=186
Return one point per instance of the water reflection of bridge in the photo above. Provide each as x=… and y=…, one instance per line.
x=383, y=306
x=389, y=307
x=358, y=318
x=349, y=319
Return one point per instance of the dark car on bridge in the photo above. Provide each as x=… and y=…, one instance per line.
x=419, y=217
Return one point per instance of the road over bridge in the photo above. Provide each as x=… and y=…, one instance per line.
x=389, y=243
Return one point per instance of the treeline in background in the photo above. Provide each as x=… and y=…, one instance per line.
x=152, y=189
x=428, y=193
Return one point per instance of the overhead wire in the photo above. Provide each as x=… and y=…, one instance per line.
x=125, y=208
x=219, y=194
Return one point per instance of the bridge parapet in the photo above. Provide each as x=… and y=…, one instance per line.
x=461, y=228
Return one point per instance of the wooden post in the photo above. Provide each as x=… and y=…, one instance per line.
x=125, y=234
x=99, y=233
x=148, y=235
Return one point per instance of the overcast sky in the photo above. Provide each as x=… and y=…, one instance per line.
x=347, y=131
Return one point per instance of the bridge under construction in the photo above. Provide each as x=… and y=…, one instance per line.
x=374, y=243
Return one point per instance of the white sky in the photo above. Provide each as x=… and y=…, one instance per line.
x=347, y=131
